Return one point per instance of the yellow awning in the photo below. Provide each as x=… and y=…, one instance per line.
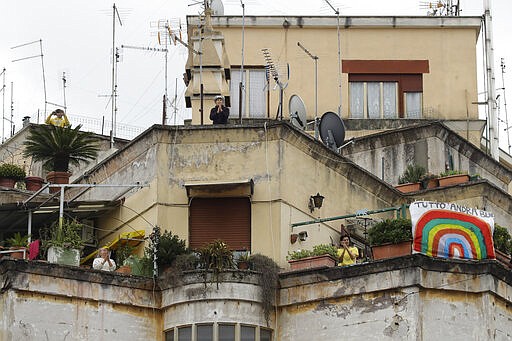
x=132, y=238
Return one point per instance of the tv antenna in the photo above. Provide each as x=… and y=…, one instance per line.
x=273, y=71
x=332, y=131
x=337, y=12
x=115, y=60
x=297, y=112
x=315, y=59
x=64, y=81
x=502, y=65
x=154, y=49
x=3, y=104
x=242, y=84
x=441, y=7
x=40, y=41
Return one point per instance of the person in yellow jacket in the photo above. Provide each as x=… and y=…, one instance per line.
x=58, y=118
x=347, y=254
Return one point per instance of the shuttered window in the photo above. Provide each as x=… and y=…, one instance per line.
x=228, y=219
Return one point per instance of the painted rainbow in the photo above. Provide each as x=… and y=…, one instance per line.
x=449, y=234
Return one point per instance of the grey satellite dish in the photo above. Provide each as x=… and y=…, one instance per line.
x=297, y=112
x=217, y=7
x=332, y=130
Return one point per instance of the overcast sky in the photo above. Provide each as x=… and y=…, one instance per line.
x=77, y=39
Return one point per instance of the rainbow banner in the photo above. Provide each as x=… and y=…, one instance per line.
x=448, y=230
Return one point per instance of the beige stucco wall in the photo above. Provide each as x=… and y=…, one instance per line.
x=284, y=178
x=448, y=89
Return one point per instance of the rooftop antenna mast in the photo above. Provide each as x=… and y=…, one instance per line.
x=40, y=41
x=242, y=84
x=502, y=65
x=3, y=105
x=491, y=89
x=272, y=71
x=115, y=59
x=315, y=59
x=337, y=12
x=64, y=89
x=154, y=50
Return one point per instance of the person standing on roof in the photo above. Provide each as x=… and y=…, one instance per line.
x=220, y=113
x=58, y=118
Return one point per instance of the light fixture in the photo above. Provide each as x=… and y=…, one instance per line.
x=315, y=201
x=303, y=236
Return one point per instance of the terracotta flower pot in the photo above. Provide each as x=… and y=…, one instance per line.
x=312, y=262
x=33, y=183
x=391, y=250
x=409, y=187
x=57, y=178
x=125, y=269
x=453, y=180
x=19, y=254
x=7, y=182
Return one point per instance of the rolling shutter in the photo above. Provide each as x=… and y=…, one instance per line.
x=228, y=219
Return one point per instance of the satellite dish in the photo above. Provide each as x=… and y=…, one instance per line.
x=332, y=130
x=217, y=7
x=297, y=112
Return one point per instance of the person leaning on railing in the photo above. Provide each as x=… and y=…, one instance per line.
x=347, y=254
x=103, y=261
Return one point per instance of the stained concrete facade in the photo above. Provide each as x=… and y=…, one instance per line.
x=286, y=167
x=409, y=298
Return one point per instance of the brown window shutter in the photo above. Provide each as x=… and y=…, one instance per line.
x=228, y=219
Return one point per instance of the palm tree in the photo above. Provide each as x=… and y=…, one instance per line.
x=57, y=147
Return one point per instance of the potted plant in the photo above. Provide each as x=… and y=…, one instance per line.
x=122, y=253
x=321, y=255
x=18, y=242
x=429, y=181
x=140, y=266
x=10, y=174
x=243, y=260
x=63, y=242
x=215, y=257
x=33, y=183
x=453, y=177
x=57, y=147
x=391, y=238
x=409, y=181
x=502, y=244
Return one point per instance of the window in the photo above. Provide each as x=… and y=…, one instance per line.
x=228, y=219
x=247, y=333
x=255, y=82
x=169, y=335
x=265, y=334
x=226, y=332
x=185, y=333
x=205, y=332
x=385, y=88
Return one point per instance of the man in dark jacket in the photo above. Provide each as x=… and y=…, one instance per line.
x=219, y=114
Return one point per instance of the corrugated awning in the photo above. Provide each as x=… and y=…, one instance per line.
x=220, y=189
x=132, y=238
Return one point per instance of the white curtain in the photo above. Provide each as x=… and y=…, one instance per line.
x=257, y=93
x=233, y=91
x=373, y=99
x=389, y=90
x=413, y=104
x=357, y=99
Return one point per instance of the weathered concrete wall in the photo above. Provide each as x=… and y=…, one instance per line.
x=43, y=301
x=237, y=299
x=167, y=159
x=430, y=300
x=432, y=146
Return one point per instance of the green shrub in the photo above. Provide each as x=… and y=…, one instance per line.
x=412, y=174
x=18, y=240
x=451, y=172
x=11, y=171
x=318, y=250
x=502, y=239
x=390, y=231
x=69, y=237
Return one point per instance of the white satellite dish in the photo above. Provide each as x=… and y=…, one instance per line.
x=217, y=7
x=297, y=112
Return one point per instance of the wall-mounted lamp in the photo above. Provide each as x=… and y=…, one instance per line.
x=315, y=201
x=303, y=236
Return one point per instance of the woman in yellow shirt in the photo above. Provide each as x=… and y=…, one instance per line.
x=347, y=254
x=58, y=118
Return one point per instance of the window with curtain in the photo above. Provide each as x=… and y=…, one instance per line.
x=357, y=99
x=255, y=83
x=413, y=104
x=373, y=100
